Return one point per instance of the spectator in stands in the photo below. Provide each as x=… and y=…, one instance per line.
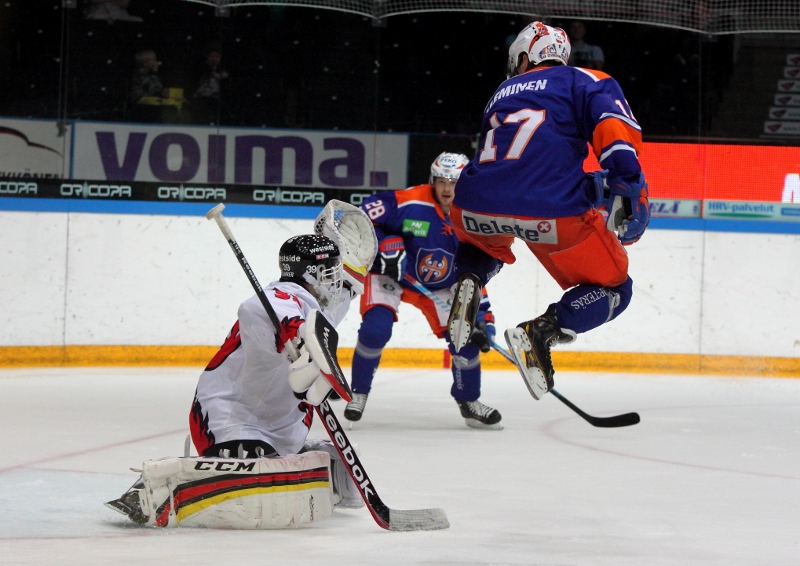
x=145, y=82
x=208, y=103
x=151, y=102
x=583, y=54
x=110, y=10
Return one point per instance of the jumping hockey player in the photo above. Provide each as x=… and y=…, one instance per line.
x=417, y=246
x=527, y=182
x=253, y=408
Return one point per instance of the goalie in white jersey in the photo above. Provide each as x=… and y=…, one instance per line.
x=253, y=409
x=244, y=401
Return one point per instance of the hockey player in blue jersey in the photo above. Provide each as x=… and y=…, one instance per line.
x=417, y=245
x=527, y=181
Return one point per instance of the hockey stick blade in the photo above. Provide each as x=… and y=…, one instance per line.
x=627, y=419
x=417, y=520
x=389, y=519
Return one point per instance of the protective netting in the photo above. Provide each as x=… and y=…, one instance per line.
x=707, y=16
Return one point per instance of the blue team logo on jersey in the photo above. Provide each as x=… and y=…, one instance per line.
x=433, y=265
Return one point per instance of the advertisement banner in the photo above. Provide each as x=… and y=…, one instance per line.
x=716, y=171
x=791, y=72
x=784, y=113
x=183, y=157
x=670, y=208
x=785, y=128
x=788, y=86
x=179, y=192
x=787, y=99
x=246, y=156
x=741, y=210
x=34, y=149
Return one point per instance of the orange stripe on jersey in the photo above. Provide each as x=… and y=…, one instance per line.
x=599, y=75
x=422, y=193
x=610, y=130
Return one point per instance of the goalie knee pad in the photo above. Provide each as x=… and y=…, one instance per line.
x=345, y=492
x=263, y=493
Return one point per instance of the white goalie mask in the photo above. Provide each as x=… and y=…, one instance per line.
x=541, y=43
x=314, y=261
x=448, y=166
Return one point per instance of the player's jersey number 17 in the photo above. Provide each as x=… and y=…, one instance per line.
x=527, y=118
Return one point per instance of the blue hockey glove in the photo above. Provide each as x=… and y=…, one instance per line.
x=597, y=189
x=628, y=209
x=392, y=255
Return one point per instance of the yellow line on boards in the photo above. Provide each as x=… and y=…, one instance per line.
x=77, y=356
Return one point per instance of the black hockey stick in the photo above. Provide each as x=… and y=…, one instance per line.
x=390, y=519
x=628, y=419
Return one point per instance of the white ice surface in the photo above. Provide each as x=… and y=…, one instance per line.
x=710, y=476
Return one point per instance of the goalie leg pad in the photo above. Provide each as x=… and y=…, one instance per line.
x=262, y=493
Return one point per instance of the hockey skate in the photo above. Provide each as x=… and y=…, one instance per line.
x=129, y=505
x=355, y=408
x=466, y=301
x=530, y=343
x=478, y=415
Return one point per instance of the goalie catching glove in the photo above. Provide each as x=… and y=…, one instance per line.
x=352, y=230
x=626, y=203
x=317, y=370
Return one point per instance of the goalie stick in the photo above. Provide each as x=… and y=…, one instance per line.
x=628, y=419
x=387, y=518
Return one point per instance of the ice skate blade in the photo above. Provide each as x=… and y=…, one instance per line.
x=519, y=343
x=473, y=423
x=460, y=329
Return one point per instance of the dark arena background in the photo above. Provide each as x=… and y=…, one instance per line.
x=693, y=70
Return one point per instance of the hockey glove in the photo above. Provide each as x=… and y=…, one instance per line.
x=354, y=234
x=597, y=188
x=317, y=371
x=392, y=253
x=483, y=335
x=306, y=379
x=628, y=209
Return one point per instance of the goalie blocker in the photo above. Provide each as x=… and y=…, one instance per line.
x=316, y=371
